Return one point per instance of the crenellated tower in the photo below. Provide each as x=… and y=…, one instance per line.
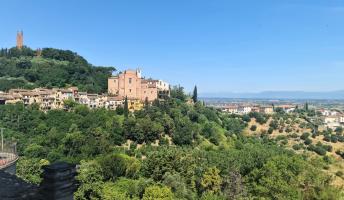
x=20, y=38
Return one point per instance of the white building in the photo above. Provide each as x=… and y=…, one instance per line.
x=244, y=109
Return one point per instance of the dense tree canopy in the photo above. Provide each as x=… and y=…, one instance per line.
x=54, y=68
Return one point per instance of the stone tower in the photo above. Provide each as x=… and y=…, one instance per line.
x=20, y=38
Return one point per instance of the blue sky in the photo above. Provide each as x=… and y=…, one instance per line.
x=220, y=45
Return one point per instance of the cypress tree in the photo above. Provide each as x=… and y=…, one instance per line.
x=194, y=97
x=126, y=107
x=146, y=103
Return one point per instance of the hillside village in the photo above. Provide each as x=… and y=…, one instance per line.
x=130, y=85
x=330, y=118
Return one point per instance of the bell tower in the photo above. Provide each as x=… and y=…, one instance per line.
x=20, y=38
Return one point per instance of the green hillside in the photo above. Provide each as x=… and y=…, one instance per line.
x=54, y=68
x=170, y=150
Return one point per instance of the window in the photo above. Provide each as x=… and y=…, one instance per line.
x=130, y=79
x=130, y=90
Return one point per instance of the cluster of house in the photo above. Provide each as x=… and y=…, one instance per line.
x=242, y=109
x=128, y=84
x=332, y=118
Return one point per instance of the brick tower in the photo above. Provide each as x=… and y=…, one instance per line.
x=20, y=38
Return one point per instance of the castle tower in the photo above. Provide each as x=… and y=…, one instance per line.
x=20, y=38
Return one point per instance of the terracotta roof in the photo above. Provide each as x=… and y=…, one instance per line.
x=118, y=98
x=29, y=93
x=6, y=96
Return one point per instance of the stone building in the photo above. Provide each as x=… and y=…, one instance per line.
x=131, y=84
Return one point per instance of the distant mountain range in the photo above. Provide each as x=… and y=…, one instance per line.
x=278, y=95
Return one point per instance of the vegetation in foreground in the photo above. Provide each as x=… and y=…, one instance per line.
x=169, y=150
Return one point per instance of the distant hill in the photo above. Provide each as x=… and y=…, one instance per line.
x=22, y=68
x=279, y=95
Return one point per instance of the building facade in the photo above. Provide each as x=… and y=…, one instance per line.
x=131, y=84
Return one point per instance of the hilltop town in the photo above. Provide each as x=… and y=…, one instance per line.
x=126, y=86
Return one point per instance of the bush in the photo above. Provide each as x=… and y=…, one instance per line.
x=334, y=139
x=270, y=131
x=340, y=153
x=317, y=149
x=157, y=192
x=274, y=125
x=284, y=142
x=288, y=129
x=308, y=141
x=339, y=174
x=294, y=135
x=339, y=130
x=328, y=159
x=246, y=118
x=327, y=148
x=163, y=141
x=253, y=128
x=296, y=147
x=304, y=136
x=340, y=138
x=281, y=137
x=327, y=138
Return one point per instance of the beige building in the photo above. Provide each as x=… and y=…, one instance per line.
x=266, y=109
x=131, y=84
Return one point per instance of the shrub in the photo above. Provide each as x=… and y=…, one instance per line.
x=327, y=138
x=317, y=149
x=308, y=141
x=253, y=128
x=163, y=141
x=304, y=136
x=281, y=137
x=328, y=148
x=288, y=129
x=340, y=153
x=296, y=147
x=274, y=125
x=339, y=174
x=314, y=135
x=334, y=139
x=340, y=138
x=246, y=118
x=270, y=131
x=284, y=142
x=328, y=159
